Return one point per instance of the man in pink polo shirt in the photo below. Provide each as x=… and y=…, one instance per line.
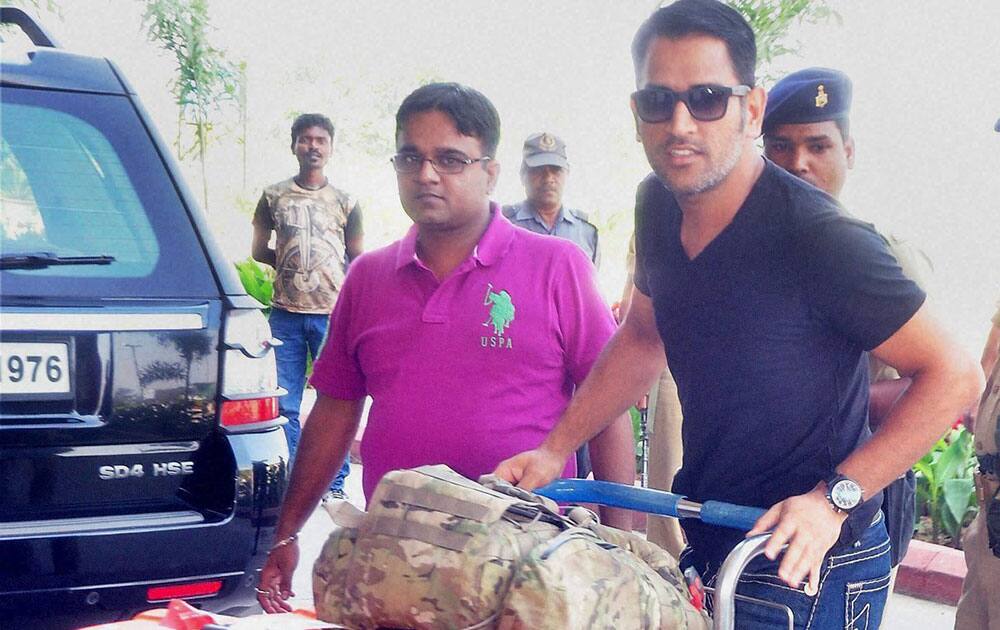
x=469, y=334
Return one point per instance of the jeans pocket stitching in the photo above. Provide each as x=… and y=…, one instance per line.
x=853, y=591
x=860, y=555
x=819, y=591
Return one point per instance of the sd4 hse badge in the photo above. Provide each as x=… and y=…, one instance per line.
x=158, y=469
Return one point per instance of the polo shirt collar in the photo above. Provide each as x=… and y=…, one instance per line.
x=492, y=245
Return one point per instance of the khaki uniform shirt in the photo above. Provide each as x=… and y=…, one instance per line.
x=987, y=424
x=310, y=244
x=917, y=267
x=570, y=224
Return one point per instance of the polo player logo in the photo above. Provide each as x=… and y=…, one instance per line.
x=501, y=315
x=501, y=310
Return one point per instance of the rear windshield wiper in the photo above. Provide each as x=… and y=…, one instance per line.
x=40, y=260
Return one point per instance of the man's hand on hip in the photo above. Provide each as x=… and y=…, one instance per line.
x=810, y=526
x=531, y=469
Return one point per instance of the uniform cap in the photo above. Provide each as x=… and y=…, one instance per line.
x=808, y=96
x=541, y=149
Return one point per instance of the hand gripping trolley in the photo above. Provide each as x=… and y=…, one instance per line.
x=668, y=504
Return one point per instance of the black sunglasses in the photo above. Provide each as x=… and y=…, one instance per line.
x=705, y=102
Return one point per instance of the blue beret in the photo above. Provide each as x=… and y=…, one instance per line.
x=808, y=96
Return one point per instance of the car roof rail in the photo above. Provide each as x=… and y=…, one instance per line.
x=35, y=32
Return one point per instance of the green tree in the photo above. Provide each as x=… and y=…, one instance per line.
x=771, y=21
x=206, y=79
x=50, y=6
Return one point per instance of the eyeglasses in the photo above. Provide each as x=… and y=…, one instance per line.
x=705, y=102
x=409, y=163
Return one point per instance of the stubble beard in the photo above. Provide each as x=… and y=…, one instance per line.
x=717, y=171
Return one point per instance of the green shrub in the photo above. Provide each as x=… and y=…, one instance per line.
x=945, y=488
x=258, y=280
x=636, y=416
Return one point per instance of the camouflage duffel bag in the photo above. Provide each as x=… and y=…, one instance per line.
x=439, y=551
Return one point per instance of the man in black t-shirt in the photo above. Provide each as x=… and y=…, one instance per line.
x=764, y=294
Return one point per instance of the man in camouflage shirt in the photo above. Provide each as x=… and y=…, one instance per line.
x=317, y=231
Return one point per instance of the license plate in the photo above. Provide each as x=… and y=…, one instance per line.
x=29, y=370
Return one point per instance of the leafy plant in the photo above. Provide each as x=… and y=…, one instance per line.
x=258, y=281
x=205, y=77
x=636, y=416
x=771, y=21
x=945, y=488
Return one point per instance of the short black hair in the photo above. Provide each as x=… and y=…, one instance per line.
x=305, y=121
x=844, y=125
x=700, y=17
x=473, y=114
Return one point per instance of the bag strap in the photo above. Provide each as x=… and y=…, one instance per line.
x=344, y=514
x=411, y=530
x=422, y=497
x=504, y=487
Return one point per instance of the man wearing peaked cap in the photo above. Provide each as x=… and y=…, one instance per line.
x=544, y=169
x=807, y=132
x=543, y=172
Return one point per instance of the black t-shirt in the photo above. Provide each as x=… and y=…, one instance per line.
x=765, y=332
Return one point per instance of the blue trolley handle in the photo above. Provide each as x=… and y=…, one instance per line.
x=658, y=502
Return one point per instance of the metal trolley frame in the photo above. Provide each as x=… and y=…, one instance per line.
x=674, y=505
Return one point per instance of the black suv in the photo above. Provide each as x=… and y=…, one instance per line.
x=141, y=450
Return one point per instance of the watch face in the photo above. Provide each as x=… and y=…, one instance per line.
x=845, y=494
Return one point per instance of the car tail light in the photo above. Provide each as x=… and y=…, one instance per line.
x=249, y=359
x=240, y=412
x=181, y=591
x=249, y=375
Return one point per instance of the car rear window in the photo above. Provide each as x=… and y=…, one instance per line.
x=82, y=183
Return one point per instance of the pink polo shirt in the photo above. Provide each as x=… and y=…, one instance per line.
x=470, y=370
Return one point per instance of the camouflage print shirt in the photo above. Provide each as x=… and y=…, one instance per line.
x=311, y=243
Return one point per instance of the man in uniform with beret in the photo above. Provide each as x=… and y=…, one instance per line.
x=979, y=607
x=543, y=172
x=807, y=132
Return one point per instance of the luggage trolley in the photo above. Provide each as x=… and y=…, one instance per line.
x=663, y=503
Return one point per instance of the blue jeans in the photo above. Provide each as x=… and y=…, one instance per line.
x=301, y=335
x=853, y=587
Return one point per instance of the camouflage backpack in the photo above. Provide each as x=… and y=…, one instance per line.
x=438, y=551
